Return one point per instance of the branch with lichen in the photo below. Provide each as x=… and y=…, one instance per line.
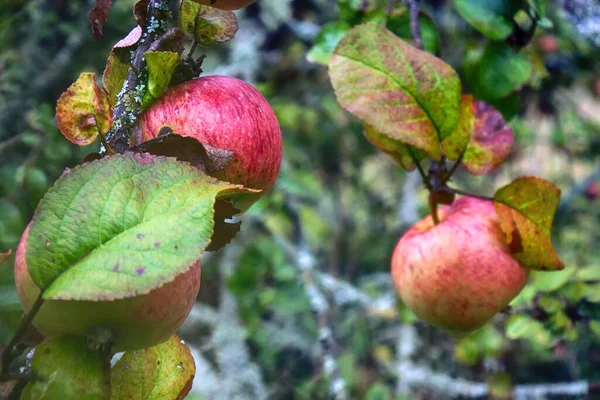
x=129, y=100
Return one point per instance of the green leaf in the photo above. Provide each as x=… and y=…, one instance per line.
x=398, y=151
x=526, y=209
x=165, y=371
x=326, y=41
x=590, y=273
x=99, y=233
x=161, y=66
x=483, y=136
x=544, y=282
x=520, y=326
x=9, y=300
x=207, y=25
x=378, y=391
x=493, y=18
x=500, y=72
x=118, y=64
x=399, y=23
x=595, y=327
x=402, y=92
x=83, y=111
x=66, y=369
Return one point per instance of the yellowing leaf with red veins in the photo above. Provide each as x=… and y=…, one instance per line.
x=483, y=136
x=404, y=93
x=165, y=371
x=526, y=209
x=83, y=111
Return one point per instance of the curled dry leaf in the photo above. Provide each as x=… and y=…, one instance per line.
x=83, y=111
x=207, y=25
x=526, y=209
x=98, y=16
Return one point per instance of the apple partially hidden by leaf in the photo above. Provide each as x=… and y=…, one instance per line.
x=228, y=114
x=133, y=323
x=225, y=4
x=458, y=274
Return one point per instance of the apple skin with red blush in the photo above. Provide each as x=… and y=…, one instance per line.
x=132, y=323
x=460, y=273
x=224, y=113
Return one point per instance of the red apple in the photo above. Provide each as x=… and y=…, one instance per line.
x=225, y=113
x=225, y=4
x=458, y=274
x=133, y=323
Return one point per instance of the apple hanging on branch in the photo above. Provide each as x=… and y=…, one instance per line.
x=222, y=113
x=461, y=265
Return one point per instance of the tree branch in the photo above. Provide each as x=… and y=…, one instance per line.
x=129, y=99
x=415, y=28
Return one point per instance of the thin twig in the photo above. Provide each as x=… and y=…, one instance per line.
x=415, y=28
x=463, y=193
x=25, y=322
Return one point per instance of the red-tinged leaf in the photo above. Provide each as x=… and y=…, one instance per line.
x=526, y=209
x=140, y=12
x=130, y=40
x=483, y=136
x=207, y=25
x=5, y=256
x=398, y=151
x=98, y=16
x=83, y=111
x=405, y=93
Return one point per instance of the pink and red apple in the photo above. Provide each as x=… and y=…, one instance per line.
x=458, y=274
x=133, y=323
x=228, y=114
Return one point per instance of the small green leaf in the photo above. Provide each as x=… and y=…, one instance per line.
x=207, y=25
x=165, y=371
x=518, y=326
x=526, y=209
x=66, y=369
x=161, y=66
x=115, y=73
x=493, y=18
x=544, y=282
x=500, y=71
x=402, y=92
x=99, y=233
x=326, y=41
x=595, y=327
x=83, y=111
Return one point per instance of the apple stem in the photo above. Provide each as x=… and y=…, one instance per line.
x=25, y=322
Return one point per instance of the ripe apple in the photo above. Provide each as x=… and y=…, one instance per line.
x=226, y=4
x=133, y=323
x=458, y=274
x=228, y=114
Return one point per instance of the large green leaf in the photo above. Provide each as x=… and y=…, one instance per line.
x=121, y=226
x=165, y=371
x=405, y=93
x=66, y=369
x=526, y=209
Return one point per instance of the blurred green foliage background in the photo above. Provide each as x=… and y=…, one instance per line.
x=301, y=305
